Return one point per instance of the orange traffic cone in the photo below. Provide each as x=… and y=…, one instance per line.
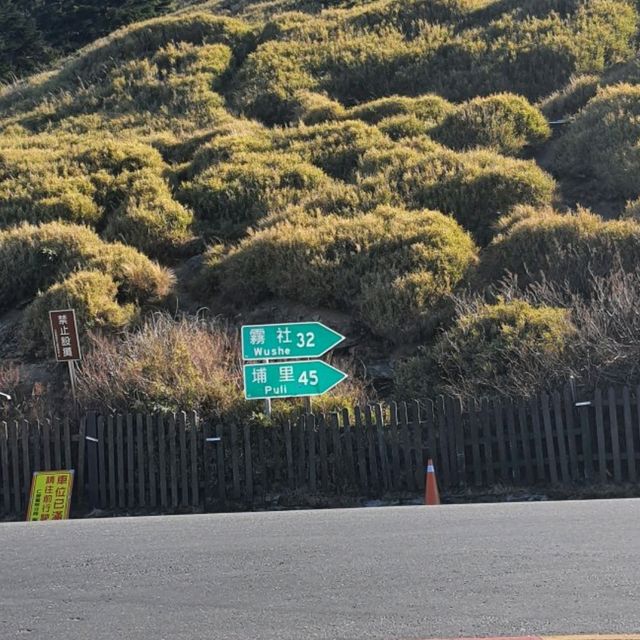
x=431, y=494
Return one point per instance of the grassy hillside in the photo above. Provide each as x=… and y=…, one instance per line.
x=364, y=161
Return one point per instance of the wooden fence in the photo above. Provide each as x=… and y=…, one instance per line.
x=172, y=463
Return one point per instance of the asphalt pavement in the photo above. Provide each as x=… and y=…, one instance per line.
x=361, y=574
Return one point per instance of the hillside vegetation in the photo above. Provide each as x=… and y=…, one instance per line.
x=377, y=159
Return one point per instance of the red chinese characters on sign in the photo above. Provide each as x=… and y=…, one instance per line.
x=64, y=330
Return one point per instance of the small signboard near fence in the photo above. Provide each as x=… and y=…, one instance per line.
x=64, y=330
x=50, y=497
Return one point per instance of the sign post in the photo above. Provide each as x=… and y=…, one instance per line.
x=66, y=341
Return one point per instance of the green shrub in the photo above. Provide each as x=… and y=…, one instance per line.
x=570, y=99
x=93, y=295
x=268, y=82
x=503, y=122
x=393, y=268
x=232, y=196
x=37, y=257
x=116, y=186
x=603, y=143
x=562, y=249
x=335, y=147
x=399, y=127
x=148, y=217
x=316, y=108
x=475, y=187
x=429, y=109
x=165, y=365
x=508, y=348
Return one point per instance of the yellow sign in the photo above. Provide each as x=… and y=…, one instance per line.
x=50, y=497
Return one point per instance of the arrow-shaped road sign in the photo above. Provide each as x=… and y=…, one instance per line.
x=288, y=340
x=290, y=379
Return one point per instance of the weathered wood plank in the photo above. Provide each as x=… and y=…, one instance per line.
x=536, y=424
x=347, y=438
x=525, y=437
x=587, y=448
x=395, y=447
x=261, y=465
x=56, y=436
x=220, y=449
x=15, y=466
x=615, y=435
x=374, y=468
x=162, y=462
x=26, y=463
x=93, y=467
x=443, y=440
x=46, y=445
x=102, y=463
x=131, y=478
x=288, y=448
x=460, y=458
x=152, y=462
x=66, y=436
x=248, y=464
x=474, y=429
x=602, y=451
x=235, y=461
x=503, y=461
x=173, y=463
x=561, y=437
x=4, y=467
x=360, y=440
x=111, y=453
x=78, y=488
x=323, y=452
x=571, y=431
x=487, y=439
x=37, y=450
x=302, y=452
x=414, y=415
x=276, y=433
x=548, y=430
x=142, y=493
x=184, y=475
x=120, y=462
x=513, y=442
x=382, y=447
x=194, y=433
x=628, y=432
x=333, y=425
x=310, y=421
x=408, y=468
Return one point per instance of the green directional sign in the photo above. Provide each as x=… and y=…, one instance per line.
x=288, y=340
x=290, y=379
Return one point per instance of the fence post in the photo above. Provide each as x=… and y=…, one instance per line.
x=91, y=443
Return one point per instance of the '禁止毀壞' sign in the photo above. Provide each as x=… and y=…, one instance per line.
x=64, y=330
x=288, y=340
x=302, y=379
x=50, y=497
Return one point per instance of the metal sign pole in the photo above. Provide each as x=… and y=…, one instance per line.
x=267, y=403
x=72, y=377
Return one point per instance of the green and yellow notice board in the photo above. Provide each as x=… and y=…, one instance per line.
x=50, y=497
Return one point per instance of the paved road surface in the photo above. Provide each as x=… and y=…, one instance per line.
x=408, y=572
